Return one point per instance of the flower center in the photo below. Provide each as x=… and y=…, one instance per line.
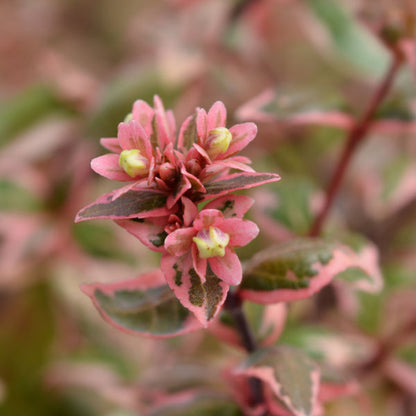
x=211, y=242
x=134, y=163
x=218, y=141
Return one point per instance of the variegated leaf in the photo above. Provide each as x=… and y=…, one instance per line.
x=142, y=306
x=289, y=373
x=237, y=181
x=204, y=299
x=295, y=270
x=134, y=203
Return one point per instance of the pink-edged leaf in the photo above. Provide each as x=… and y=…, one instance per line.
x=294, y=270
x=182, y=187
x=365, y=274
x=109, y=167
x=242, y=134
x=111, y=144
x=150, y=231
x=142, y=306
x=297, y=108
x=237, y=181
x=217, y=116
x=289, y=373
x=190, y=211
x=203, y=299
x=231, y=205
x=135, y=203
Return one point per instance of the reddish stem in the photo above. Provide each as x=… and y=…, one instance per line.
x=355, y=137
x=233, y=304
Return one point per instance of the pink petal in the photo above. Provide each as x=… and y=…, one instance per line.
x=143, y=114
x=108, y=166
x=190, y=211
x=111, y=144
x=183, y=133
x=243, y=134
x=132, y=136
x=227, y=268
x=180, y=241
x=207, y=218
x=217, y=116
x=202, y=152
x=241, y=232
x=149, y=231
x=232, y=164
x=231, y=205
x=201, y=125
x=164, y=123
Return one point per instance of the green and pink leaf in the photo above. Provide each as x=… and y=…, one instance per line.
x=290, y=374
x=295, y=270
x=204, y=299
x=142, y=306
x=134, y=203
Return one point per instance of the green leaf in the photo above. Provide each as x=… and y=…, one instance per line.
x=142, y=306
x=290, y=374
x=351, y=40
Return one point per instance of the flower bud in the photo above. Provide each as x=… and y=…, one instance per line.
x=211, y=242
x=193, y=167
x=128, y=118
x=134, y=163
x=167, y=172
x=218, y=141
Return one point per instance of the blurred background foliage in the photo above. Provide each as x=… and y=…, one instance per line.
x=69, y=73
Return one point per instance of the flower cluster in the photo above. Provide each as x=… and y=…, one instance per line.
x=168, y=176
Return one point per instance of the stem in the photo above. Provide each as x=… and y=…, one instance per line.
x=355, y=137
x=233, y=304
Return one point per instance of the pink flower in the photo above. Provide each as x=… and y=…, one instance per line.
x=203, y=253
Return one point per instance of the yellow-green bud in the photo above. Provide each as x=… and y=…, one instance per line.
x=133, y=163
x=128, y=118
x=218, y=141
x=211, y=242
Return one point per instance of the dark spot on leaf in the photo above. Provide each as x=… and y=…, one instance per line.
x=229, y=204
x=196, y=292
x=137, y=219
x=214, y=293
x=178, y=275
x=160, y=239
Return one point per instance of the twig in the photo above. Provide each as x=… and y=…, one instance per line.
x=355, y=137
x=233, y=305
